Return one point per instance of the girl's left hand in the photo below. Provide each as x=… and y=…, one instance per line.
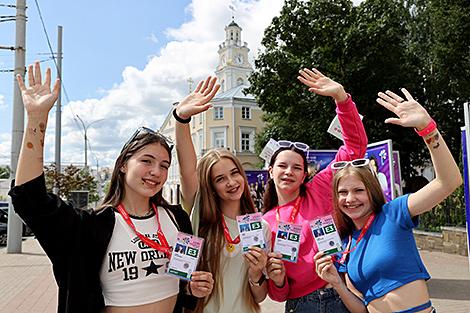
x=201, y=284
x=409, y=112
x=256, y=258
x=326, y=270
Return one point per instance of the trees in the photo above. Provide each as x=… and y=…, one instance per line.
x=71, y=179
x=422, y=45
x=5, y=172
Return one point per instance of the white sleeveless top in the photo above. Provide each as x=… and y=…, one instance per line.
x=132, y=273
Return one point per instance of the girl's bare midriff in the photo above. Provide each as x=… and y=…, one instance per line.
x=162, y=306
x=405, y=297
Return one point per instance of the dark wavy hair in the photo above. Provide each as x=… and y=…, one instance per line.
x=270, y=195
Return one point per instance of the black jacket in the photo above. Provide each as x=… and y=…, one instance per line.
x=76, y=242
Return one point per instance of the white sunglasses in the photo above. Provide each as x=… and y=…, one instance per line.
x=298, y=145
x=354, y=163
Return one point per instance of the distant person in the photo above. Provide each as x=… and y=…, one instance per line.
x=111, y=259
x=382, y=264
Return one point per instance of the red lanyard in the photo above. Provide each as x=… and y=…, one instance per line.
x=227, y=234
x=293, y=214
x=163, y=246
x=366, y=227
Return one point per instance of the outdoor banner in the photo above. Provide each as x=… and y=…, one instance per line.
x=380, y=153
x=465, y=156
x=397, y=172
x=381, y=156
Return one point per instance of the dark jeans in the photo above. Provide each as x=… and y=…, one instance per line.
x=320, y=301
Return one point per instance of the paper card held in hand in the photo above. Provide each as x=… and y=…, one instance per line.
x=326, y=235
x=287, y=241
x=185, y=256
x=251, y=231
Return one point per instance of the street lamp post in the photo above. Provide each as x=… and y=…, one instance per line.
x=85, y=128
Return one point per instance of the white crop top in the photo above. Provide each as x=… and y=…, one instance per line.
x=132, y=273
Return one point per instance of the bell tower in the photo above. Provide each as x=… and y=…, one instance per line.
x=233, y=69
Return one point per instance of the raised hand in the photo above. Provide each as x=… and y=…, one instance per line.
x=38, y=98
x=322, y=85
x=201, y=284
x=257, y=259
x=410, y=113
x=326, y=270
x=198, y=101
x=275, y=268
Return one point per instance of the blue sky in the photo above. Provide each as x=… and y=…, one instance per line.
x=124, y=62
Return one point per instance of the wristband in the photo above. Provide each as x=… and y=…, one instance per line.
x=428, y=129
x=179, y=119
x=257, y=283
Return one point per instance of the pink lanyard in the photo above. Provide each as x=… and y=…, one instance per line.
x=163, y=247
x=294, y=213
x=361, y=235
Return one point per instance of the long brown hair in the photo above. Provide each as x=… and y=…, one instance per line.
x=210, y=227
x=270, y=198
x=138, y=141
x=374, y=191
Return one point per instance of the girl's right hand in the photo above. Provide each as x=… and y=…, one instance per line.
x=38, y=98
x=276, y=269
x=326, y=270
x=198, y=101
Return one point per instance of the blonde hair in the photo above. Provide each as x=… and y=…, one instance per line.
x=374, y=191
x=210, y=228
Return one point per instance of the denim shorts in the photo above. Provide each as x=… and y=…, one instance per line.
x=324, y=300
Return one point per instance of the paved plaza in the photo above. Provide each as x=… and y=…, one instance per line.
x=27, y=284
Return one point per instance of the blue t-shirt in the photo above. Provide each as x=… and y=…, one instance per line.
x=386, y=257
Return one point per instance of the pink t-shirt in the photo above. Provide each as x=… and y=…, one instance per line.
x=301, y=276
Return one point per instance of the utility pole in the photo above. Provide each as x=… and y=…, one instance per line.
x=58, y=111
x=15, y=226
x=85, y=128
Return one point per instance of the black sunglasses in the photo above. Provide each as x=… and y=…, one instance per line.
x=145, y=130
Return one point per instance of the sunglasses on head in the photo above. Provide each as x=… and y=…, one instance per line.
x=354, y=163
x=298, y=145
x=142, y=130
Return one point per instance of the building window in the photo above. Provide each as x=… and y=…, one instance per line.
x=247, y=139
x=246, y=113
x=200, y=118
x=218, y=139
x=218, y=113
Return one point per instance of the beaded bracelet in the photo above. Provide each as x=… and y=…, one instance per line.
x=179, y=119
x=428, y=129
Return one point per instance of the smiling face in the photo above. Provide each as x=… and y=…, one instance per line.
x=227, y=180
x=146, y=171
x=288, y=173
x=354, y=200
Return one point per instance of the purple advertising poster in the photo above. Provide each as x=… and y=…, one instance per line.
x=397, y=172
x=466, y=186
x=380, y=156
x=319, y=159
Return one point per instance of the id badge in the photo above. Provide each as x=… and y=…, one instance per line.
x=287, y=241
x=326, y=235
x=185, y=256
x=251, y=231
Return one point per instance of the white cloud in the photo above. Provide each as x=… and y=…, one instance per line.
x=152, y=37
x=144, y=96
x=3, y=105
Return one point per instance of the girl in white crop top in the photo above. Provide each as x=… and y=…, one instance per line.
x=132, y=274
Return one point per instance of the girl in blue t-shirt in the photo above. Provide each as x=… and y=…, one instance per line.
x=381, y=263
